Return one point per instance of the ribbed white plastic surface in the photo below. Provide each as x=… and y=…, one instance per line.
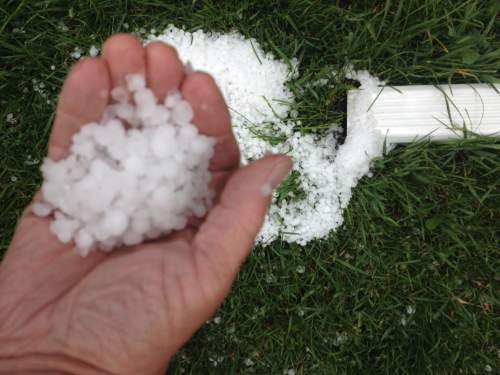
x=407, y=113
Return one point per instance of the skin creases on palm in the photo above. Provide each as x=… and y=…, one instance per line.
x=127, y=312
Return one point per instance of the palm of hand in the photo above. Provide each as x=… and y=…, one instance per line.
x=127, y=312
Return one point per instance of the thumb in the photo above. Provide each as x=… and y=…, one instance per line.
x=229, y=231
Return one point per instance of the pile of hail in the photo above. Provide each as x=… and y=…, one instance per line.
x=138, y=174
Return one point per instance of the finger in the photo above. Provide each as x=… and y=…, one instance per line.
x=83, y=98
x=124, y=55
x=211, y=116
x=165, y=71
x=224, y=240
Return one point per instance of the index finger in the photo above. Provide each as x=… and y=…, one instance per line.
x=84, y=96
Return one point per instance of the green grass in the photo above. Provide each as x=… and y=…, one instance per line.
x=423, y=231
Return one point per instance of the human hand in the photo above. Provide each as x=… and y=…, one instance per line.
x=129, y=311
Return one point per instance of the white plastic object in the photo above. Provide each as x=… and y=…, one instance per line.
x=407, y=113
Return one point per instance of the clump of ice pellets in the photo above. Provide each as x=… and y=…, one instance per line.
x=138, y=174
x=254, y=85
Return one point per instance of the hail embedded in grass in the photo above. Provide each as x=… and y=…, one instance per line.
x=216, y=361
x=121, y=184
x=254, y=85
x=300, y=269
x=10, y=119
x=340, y=339
x=77, y=53
x=30, y=161
x=93, y=51
x=40, y=88
x=248, y=362
x=62, y=26
x=403, y=320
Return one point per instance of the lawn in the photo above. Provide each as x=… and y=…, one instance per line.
x=410, y=283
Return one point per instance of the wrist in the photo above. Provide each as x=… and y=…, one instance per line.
x=50, y=364
x=46, y=364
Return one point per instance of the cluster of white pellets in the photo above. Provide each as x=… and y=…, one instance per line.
x=254, y=85
x=138, y=174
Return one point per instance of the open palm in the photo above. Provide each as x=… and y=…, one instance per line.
x=129, y=311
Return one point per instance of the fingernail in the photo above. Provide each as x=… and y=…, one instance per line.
x=277, y=175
